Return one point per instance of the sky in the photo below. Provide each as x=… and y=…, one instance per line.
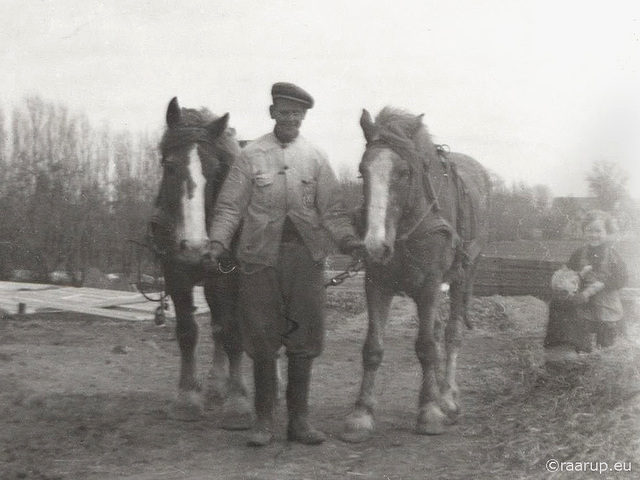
x=536, y=90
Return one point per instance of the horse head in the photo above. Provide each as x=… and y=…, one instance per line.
x=391, y=173
x=197, y=148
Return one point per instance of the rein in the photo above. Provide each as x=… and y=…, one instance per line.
x=163, y=296
x=351, y=271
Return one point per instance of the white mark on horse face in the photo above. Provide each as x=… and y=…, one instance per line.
x=193, y=229
x=379, y=176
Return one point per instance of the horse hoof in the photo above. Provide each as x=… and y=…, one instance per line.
x=431, y=420
x=359, y=427
x=217, y=391
x=237, y=413
x=453, y=417
x=189, y=406
x=450, y=407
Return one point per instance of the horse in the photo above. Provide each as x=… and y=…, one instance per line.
x=425, y=226
x=198, y=149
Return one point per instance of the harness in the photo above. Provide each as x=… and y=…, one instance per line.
x=433, y=206
x=431, y=212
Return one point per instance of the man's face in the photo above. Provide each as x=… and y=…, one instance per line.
x=288, y=115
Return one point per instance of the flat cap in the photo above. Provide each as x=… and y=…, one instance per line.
x=291, y=92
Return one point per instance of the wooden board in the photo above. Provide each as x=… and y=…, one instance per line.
x=92, y=301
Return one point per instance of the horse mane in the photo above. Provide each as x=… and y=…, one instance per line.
x=193, y=129
x=405, y=133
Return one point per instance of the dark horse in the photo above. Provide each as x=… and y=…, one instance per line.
x=198, y=150
x=425, y=213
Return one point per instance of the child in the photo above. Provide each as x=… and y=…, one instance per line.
x=596, y=306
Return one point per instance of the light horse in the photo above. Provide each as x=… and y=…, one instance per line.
x=425, y=214
x=198, y=150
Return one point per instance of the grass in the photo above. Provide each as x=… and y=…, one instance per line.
x=352, y=303
x=583, y=411
x=530, y=413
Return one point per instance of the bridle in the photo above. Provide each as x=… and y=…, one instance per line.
x=419, y=169
x=179, y=137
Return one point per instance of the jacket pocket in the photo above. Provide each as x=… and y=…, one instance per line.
x=309, y=193
x=264, y=191
x=263, y=179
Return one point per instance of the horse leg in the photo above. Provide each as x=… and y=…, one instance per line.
x=431, y=419
x=453, y=342
x=189, y=403
x=470, y=276
x=281, y=374
x=218, y=379
x=236, y=408
x=360, y=423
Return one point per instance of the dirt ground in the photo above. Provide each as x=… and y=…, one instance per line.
x=90, y=398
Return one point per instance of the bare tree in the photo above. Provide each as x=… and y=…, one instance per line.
x=609, y=183
x=73, y=194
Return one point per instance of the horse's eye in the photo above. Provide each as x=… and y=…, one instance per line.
x=402, y=173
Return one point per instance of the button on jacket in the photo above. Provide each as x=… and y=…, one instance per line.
x=271, y=181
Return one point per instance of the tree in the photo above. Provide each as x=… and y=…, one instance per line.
x=609, y=183
x=71, y=195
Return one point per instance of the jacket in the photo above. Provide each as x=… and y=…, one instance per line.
x=608, y=268
x=271, y=181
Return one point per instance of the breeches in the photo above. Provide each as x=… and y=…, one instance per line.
x=283, y=306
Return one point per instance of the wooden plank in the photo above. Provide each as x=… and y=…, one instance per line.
x=102, y=312
x=79, y=298
x=13, y=286
x=120, y=302
x=91, y=301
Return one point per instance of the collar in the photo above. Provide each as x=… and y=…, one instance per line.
x=281, y=144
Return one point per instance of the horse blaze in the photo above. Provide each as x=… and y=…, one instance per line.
x=193, y=232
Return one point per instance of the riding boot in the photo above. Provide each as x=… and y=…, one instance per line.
x=265, y=381
x=299, y=429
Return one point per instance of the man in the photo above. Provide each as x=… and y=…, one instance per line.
x=290, y=204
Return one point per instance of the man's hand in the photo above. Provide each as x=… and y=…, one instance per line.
x=351, y=245
x=211, y=258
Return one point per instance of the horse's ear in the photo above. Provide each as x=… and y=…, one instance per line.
x=368, y=127
x=173, y=112
x=218, y=126
x=418, y=123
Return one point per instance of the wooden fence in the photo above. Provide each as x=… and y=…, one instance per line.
x=495, y=276
x=514, y=276
x=506, y=277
